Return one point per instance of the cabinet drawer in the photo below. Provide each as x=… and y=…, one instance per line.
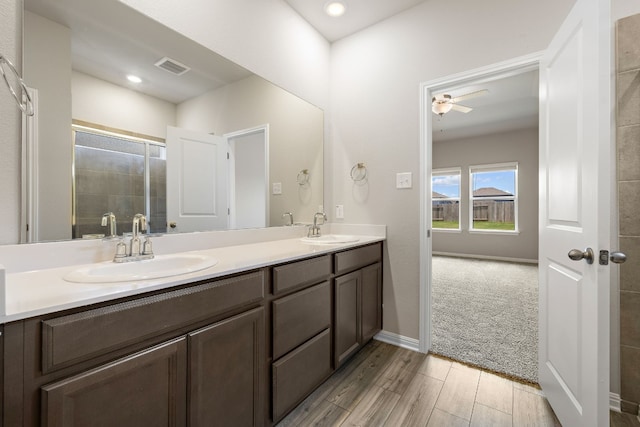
x=299, y=372
x=297, y=274
x=81, y=336
x=300, y=316
x=350, y=260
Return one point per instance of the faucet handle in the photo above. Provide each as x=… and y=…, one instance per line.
x=121, y=249
x=147, y=247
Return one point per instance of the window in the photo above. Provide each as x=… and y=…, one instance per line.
x=445, y=199
x=493, y=196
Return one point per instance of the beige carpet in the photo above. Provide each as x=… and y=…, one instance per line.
x=485, y=313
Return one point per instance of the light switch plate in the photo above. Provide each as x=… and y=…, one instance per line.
x=277, y=188
x=403, y=180
x=339, y=211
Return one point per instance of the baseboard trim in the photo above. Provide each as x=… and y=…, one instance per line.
x=614, y=402
x=398, y=340
x=487, y=257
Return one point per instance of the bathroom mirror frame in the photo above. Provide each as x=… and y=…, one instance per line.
x=300, y=149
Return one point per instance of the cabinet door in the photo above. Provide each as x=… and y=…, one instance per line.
x=145, y=389
x=347, y=315
x=226, y=372
x=371, y=301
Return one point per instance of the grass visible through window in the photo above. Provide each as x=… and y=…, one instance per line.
x=487, y=225
x=446, y=224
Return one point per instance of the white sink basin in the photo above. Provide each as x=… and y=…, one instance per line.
x=330, y=239
x=160, y=266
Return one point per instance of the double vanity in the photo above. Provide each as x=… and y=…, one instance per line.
x=237, y=334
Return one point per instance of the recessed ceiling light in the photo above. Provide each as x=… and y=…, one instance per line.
x=335, y=8
x=134, y=79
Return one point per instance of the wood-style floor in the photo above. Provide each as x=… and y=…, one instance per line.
x=384, y=385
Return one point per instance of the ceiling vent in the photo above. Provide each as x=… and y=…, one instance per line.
x=172, y=66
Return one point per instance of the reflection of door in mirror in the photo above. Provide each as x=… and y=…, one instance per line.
x=115, y=172
x=197, y=188
x=249, y=177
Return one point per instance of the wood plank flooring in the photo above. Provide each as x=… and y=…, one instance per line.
x=384, y=385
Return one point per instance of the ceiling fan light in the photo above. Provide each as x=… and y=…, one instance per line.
x=335, y=8
x=441, y=108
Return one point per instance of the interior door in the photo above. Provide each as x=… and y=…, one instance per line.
x=574, y=207
x=197, y=181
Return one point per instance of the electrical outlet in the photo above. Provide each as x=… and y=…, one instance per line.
x=339, y=211
x=277, y=188
x=403, y=180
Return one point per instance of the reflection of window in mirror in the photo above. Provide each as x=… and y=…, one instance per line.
x=445, y=199
x=120, y=173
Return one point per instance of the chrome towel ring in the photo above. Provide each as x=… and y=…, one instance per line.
x=27, y=105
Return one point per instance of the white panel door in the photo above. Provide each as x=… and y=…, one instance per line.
x=575, y=141
x=197, y=183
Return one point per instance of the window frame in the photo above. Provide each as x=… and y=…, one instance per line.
x=448, y=172
x=495, y=167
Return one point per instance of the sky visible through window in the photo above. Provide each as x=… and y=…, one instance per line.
x=449, y=185
x=502, y=180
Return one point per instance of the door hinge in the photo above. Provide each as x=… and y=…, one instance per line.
x=227, y=155
x=428, y=234
x=228, y=211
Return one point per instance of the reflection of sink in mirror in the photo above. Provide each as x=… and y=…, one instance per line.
x=160, y=266
x=330, y=239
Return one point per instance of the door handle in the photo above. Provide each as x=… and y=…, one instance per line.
x=577, y=255
x=618, y=257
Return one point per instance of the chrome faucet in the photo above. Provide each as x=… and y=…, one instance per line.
x=314, y=230
x=138, y=250
x=290, y=215
x=109, y=219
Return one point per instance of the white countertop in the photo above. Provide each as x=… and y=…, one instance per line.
x=37, y=292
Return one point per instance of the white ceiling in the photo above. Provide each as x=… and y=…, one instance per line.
x=359, y=15
x=510, y=104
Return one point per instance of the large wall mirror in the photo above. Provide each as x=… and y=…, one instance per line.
x=198, y=143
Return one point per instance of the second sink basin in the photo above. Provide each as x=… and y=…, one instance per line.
x=330, y=239
x=160, y=266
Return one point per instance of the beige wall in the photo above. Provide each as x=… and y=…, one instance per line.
x=47, y=55
x=628, y=149
x=295, y=137
x=375, y=117
x=517, y=146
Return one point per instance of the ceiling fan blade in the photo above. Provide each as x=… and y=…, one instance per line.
x=461, y=108
x=470, y=95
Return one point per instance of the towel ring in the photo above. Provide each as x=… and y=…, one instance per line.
x=358, y=172
x=303, y=177
x=27, y=106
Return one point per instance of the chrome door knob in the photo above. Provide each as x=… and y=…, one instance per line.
x=577, y=255
x=618, y=257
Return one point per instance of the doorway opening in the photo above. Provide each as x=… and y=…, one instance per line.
x=249, y=177
x=479, y=217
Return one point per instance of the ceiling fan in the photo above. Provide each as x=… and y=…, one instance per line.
x=443, y=103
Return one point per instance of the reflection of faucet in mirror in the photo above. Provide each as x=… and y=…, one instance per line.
x=290, y=216
x=314, y=230
x=109, y=220
x=138, y=250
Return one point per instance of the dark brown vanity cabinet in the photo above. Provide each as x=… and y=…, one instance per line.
x=147, y=388
x=189, y=356
x=241, y=350
x=301, y=332
x=358, y=299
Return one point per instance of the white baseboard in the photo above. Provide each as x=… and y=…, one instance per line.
x=487, y=257
x=398, y=340
x=614, y=402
